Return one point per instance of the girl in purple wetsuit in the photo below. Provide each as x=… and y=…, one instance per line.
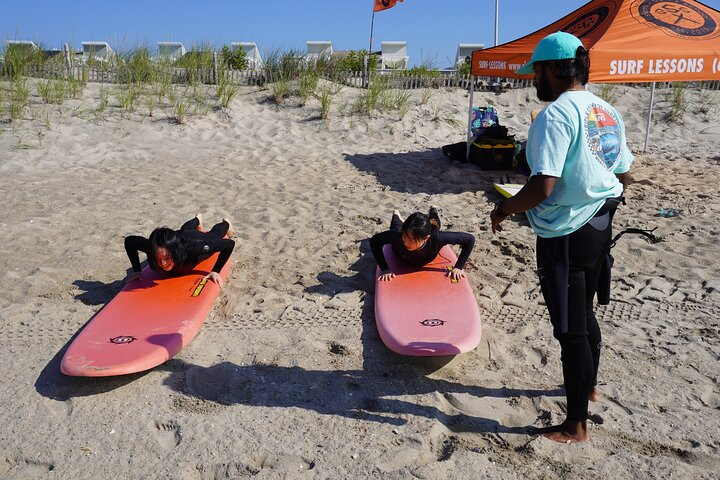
x=179, y=251
x=417, y=241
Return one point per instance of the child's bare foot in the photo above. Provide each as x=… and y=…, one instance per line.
x=397, y=212
x=231, y=231
x=594, y=395
x=200, y=221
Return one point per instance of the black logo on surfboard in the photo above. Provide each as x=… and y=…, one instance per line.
x=432, y=322
x=123, y=339
x=677, y=18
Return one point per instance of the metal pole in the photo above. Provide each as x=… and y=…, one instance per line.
x=647, y=129
x=497, y=4
x=470, y=111
x=366, y=64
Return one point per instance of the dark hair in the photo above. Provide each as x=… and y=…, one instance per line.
x=174, y=242
x=419, y=225
x=575, y=69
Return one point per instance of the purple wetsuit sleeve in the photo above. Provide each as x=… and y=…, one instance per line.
x=377, y=242
x=465, y=240
x=133, y=245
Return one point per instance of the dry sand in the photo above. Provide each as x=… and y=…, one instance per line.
x=288, y=378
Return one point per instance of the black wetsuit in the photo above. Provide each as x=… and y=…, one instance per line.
x=569, y=269
x=202, y=244
x=426, y=254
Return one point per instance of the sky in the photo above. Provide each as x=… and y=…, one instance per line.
x=431, y=28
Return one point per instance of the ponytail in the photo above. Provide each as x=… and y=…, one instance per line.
x=419, y=225
x=575, y=69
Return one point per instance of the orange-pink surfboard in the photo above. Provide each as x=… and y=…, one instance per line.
x=146, y=324
x=421, y=312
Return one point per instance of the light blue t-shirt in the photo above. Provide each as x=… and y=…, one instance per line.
x=580, y=139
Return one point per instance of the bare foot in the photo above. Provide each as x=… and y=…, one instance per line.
x=594, y=395
x=566, y=432
x=231, y=231
x=397, y=212
x=200, y=221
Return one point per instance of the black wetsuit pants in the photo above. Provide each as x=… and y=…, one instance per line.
x=580, y=340
x=217, y=231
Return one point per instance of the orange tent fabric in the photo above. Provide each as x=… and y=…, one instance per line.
x=628, y=41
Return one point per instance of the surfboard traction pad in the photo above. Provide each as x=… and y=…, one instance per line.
x=508, y=318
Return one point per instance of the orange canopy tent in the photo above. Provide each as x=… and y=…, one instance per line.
x=628, y=41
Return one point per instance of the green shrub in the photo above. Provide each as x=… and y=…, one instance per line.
x=234, y=59
x=135, y=66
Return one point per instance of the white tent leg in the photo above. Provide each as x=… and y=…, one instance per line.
x=650, y=110
x=470, y=109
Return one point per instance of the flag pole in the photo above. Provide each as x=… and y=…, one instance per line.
x=366, y=72
x=372, y=25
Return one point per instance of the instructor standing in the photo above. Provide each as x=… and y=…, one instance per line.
x=579, y=165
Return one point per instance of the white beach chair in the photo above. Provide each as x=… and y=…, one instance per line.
x=252, y=54
x=171, y=50
x=97, y=51
x=394, y=55
x=317, y=50
x=465, y=50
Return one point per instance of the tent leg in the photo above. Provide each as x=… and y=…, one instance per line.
x=650, y=110
x=470, y=109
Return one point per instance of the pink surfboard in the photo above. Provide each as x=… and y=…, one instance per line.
x=146, y=324
x=421, y=312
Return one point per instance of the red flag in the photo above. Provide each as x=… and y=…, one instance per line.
x=381, y=5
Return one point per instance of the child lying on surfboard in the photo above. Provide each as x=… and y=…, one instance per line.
x=178, y=251
x=417, y=241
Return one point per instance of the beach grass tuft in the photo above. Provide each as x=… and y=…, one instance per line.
x=610, y=93
x=679, y=103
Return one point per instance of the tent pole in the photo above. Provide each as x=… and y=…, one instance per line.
x=470, y=109
x=650, y=110
x=496, y=21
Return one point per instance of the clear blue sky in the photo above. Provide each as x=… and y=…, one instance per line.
x=432, y=28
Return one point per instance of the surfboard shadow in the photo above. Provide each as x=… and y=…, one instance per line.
x=354, y=394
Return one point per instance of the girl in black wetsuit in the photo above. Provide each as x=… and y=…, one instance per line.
x=179, y=251
x=417, y=241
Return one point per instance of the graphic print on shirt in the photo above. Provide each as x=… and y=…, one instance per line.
x=603, y=135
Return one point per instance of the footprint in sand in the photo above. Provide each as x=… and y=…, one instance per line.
x=168, y=434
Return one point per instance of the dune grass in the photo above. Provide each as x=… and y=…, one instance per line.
x=226, y=90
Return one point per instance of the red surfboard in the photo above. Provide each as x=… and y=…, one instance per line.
x=146, y=324
x=421, y=312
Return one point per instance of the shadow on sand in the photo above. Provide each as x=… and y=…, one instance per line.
x=430, y=172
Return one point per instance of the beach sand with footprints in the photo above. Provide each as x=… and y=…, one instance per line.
x=288, y=377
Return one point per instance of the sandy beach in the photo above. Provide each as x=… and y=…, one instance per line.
x=288, y=377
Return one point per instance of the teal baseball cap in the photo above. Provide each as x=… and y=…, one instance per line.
x=556, y=46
